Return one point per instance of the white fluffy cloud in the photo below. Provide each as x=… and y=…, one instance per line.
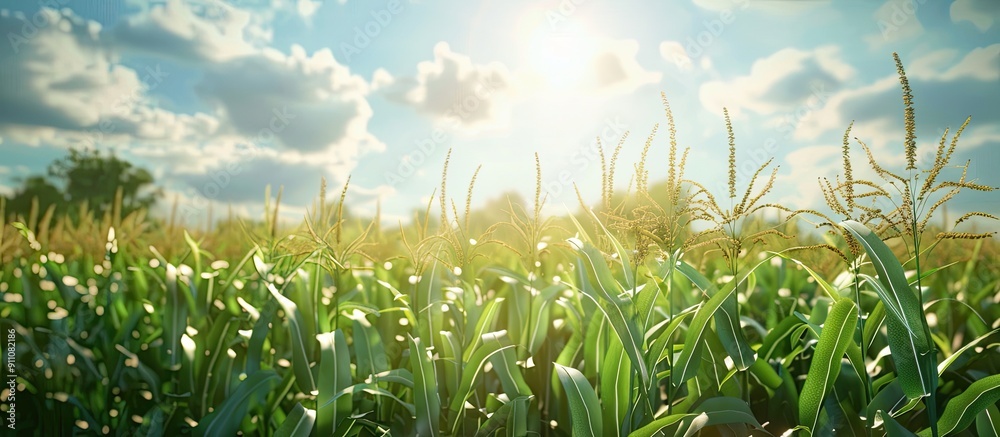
x=981, y=13
x=453, y=88
x=65, y=86
x=308, y=107
x=308, y=103
x=781, y=82
x=957, y=88
x=175, y=30
x=615, y=68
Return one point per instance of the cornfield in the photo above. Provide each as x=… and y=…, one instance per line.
x=664, y=310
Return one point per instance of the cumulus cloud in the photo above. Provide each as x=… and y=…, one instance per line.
x=980, y=64
x=65, y=85
x=70, y=89
x=452, y=87
x=615, y=68
x=308, y=103
x=958, y=89
x=780, y=82
x=381, y=78
x=175, y=30
x=981, y=13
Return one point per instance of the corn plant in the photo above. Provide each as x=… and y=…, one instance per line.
x=665, y=309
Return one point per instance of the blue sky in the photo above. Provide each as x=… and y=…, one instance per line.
x=221, y=98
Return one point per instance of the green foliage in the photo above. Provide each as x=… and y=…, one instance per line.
x=633, y=323
x=101, y=181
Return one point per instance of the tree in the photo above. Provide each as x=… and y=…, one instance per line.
x=36, y=187
x=87, y=176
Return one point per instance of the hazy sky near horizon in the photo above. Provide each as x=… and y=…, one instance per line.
x=222, y=98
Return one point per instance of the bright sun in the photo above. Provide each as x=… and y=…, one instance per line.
x=562, y=57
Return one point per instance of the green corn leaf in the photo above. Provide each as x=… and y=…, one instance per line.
x=569, y=353
x=152, y=423
x=645, y=301
x=623, y=254
x=517, y=422
x=261, y=328
x=690, y=358
x=829, y=289
x=334, y=376
x=951, y=360
x=688, y=363
x=299, y=423
x=890, y=400
x=658, y=350
x=585, y=410
x=594, y=345
x=300, y=341
x=963, y=409
x=368, y=349
x=540, y=318
x=727, y=319
x=426, y=302
x=226, y=419
x=713, y=411
x=397, y=376
x=176, y=321
x=511, y=416
x=893, y=428
x=505, y=366
x=451, y=360
x=425, y=390
x=873, y=323
x=988, y=422
x=375, y=391
x=486, y=323
x=838, y=332
x=764, y=373
x=214, y=347
x=615, y=390
x=196, y=255
x=909, y=338
x=621, y=313
x=913, y=358
x=363, y=388
x=493, y=343
x=780, y=338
